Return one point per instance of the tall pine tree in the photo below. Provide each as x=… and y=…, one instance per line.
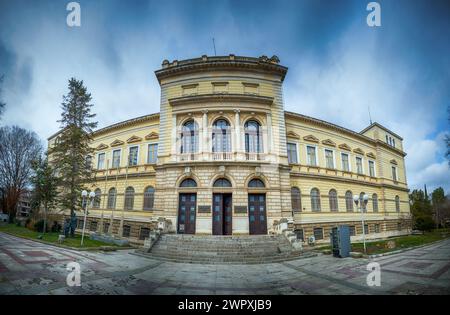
x=71, y=154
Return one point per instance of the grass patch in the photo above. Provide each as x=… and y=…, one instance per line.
x=52, y=237
x=401, y=242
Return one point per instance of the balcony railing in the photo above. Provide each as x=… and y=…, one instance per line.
x=222, y=156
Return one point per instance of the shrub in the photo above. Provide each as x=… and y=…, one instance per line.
x=39, y=226
x=56, y=227
x=424, y=223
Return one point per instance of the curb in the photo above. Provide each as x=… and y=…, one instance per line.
x=100, y=248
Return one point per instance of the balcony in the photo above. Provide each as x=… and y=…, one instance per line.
x=219, y=156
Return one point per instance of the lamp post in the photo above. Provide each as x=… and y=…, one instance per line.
x=361, y=208
x=84, y=195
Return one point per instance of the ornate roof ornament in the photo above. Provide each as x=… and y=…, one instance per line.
x=134, y=139
x=116, y=143
x=329, y=142
x=292, y=134
x=359, y=151
x=345, y=146
x=311, y=138
x=152, y=135
x=101, y=146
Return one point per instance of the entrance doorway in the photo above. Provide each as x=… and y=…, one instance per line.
x=257, y=213
x=222, y=214
x=187, y=206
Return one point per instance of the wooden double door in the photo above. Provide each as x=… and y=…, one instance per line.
x=222, y=214
x=257, y=213
x=187, y=206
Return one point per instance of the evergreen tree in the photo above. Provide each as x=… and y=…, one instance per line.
x=45, y=187
x=2, y=104
x=71, y=153
x=421, y=210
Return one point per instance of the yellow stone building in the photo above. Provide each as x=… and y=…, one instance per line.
x=223, y=157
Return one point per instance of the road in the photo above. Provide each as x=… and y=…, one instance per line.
x=28, y=267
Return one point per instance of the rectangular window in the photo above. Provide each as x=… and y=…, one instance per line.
x=399, y=226
x=152, y=155
x=371, y=168
x=126, y=231
x=351, y=229
x=318, y=233
x=359, y=166
x=292, y=153
x=144, y=233
x=116, y=159
x=133, y=156
x=394, y=173
x=93, y=226
x=366, y=229
x=311, y=152
x=101, y=161
x=345, y=164
x=393, y=142
x=377, y=228
x=299, y=234
x=329, y=159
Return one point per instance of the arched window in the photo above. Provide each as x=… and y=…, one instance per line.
x=296, y=199
x=189, y=182
x=397, y=203
x=129, y=198
x=256, y=183
x=361, y=202
x=189, y=137
x=222, y=182
x=332, y=196
x=375, y=202
x=253, y=137
x=149, y=198
x=315, y=199
x=111, y=198
x=221, y=136
x=97, y=198
x=349, y=201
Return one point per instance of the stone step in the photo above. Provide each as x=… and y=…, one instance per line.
x=209, y=249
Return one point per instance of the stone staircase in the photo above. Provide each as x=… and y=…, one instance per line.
x=209, y=249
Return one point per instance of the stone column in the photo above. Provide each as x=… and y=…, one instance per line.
x=203, y=145
x=237, y=133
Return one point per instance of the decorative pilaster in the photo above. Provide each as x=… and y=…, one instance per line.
x=269, y=133
x=203, y=145
x=237, y=128
x=174, y=136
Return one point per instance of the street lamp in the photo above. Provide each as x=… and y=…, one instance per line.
x=84, y=195
x=361, y=208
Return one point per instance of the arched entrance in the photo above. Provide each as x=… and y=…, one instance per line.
x=187, y=206
x=257, y=208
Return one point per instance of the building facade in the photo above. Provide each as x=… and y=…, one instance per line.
x=223, y=157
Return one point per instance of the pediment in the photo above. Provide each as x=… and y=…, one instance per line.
x=393, y=162
x=133, y=139
x=152, y=135
x=329, y=142
x=292, y=134
x=371, y=155
x=345, y=146
x=116, y=143
x=310, y=138
x=101, y=146
x=358, y=151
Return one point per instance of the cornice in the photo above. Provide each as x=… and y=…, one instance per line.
x=219, y=97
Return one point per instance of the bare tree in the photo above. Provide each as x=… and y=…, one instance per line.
x=2, y=104
x=18, y=148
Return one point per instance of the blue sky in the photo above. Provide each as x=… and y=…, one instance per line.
x=338, y=66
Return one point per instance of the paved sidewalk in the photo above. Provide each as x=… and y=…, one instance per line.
x=28, y=267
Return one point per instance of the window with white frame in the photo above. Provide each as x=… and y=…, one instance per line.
x=359, y=165
x=152, y=153
x=329, y=158
x=101, y=161
x=394, y=173
x=345, y=162
x=292, y=153
x=116, y=158
x=311, y=155
x=371, y=168
x=133, y=156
